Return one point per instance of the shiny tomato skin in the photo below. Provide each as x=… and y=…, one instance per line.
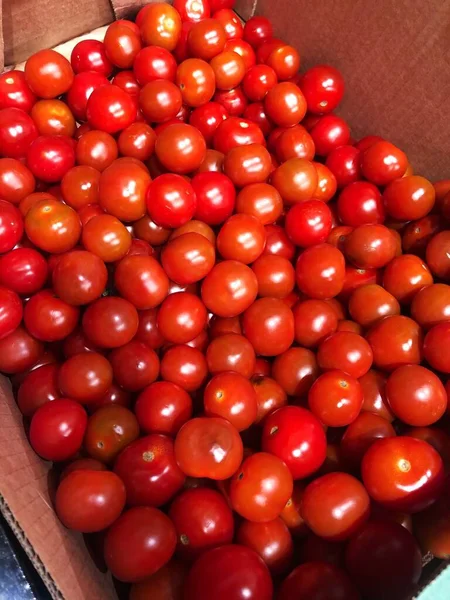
x=296, y=370
x=90, y=55
x=275, y=274
x=314, y=320
x=269, y=326
x=188, y=258
x=296, y=437
x=48, y=73
x=181, y=317
x=230, y=571
x=17, y=132
x=19, y=351
x=364, y=431
x=271, y=540
x=166, y=584
x=122, y=191
x=370, y=303
x=219, y=292
x=329, y=133
x=234, y=132
x=96, y=149
x=139, y=543
x=110, y=429
x=57, y=429
x=334, y=506
x=180, y=148
x=336, y=398
x=184, y=366
x=163, y=407
x=317, y=580
x=403, y=473
x=11, y=311
x=106, y=237
x=430, y=306
x=344, y=163
x=360, y=203
x=285, y=104
x=38, y=387
x=405, y=276
x=346, y=351
x=323, y=87
x=320, y=271
x=89, y=501
x=52, y=226
x=15, y=92
x=49, y=157
x=231, y=396
x=110, y=109
x=171, y=201
x=216, y=197
x=142, y=281
x=296, y=180
x=110, y=322
x=231, y=352
x=48, y=318
x=208, y=447
x=149, y=471
x=395, y=340
x=384, y=560
x=135, y=365
x=383, y=162
x=433, y=347
x=308, y=223
x=203, y=520
x=85, y=377
x=79, y=277
x=80, y=91
x=16, y=180
x=437, y=255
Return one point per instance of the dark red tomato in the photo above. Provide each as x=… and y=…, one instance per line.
x=38, y=387
x=188, y=258
x=165, y=584
x=231, y=396
x=296, y=180
x=317, y=580
x=417, y=234
x=234, y=131
x=416, y=395
x=80, y=91
x=97, y=149
x=141, y=280
x=16, y=180
x=221, y=293
x=19, y=351
x=77, y=343
x=258, y=81
x=257, y=30
x=82, y=464
x=373, y=385
x=269, y=326
x=48, y=318
x=269, y=396
x=320, y=271
x=365, y=430
x=148, y=329
x=184, y=366
x=308, y=223
x=111, y=322
x=383, y=162
x=409, y=198
x=369, y=303
x=346, y=351
x=248, y=164
x=295, y=370
x=49, y=157
x=336, y=398
x=434, y=347
x=128, y=83
x=110, y=429
x=215, y=197
x=181, y=317
x=135, y=365
x=11, y=226
x=256, y=113
x=314, y=320
x=437, y=255
x=370, y=246
x=360, y=203
x=110, y=109
x=17, y=131
x=207, y=118
x=85, y=377
x=79, y=277
x=296, y=437
x=323, y=87
x=344, y=163
x=271, y=540
x=163, y=407
x=171, y=200
x=90, y=55
x=395, y=340
x=334, y=506
x=384, y=560
x=152, y=63
x=203, y=520
x=14, y=91
x=106, y=237
x=329, y=133
x=403, y=473
x=261, y=487
x=180, y=148
x=48, y=74
x=405, y=276
x=89, y=501
x=231, y=352
x=278, y=243
x=285, y=104
x=230, y=571
x=139, y=543
x=148, y=469
x=208, y=447
x=57, y=429
x=114, y=396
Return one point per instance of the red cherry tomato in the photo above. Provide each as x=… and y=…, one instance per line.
x=316, y=580
x=48, y=73
x=336, y=398
x=320, y=271
x=10, y=311
x=15, y=92
x=382, y=162
x=110, y=109
x=17, y=132
x=90, y=55
x=231, y=396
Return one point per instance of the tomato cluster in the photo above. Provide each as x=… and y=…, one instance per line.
x=225, y=319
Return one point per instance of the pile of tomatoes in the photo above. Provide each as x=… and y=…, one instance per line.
x=225, y=320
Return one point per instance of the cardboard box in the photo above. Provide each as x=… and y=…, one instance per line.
x=395, y=60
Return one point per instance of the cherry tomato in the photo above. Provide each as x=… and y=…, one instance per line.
x=437, y=255
x=295, y=370
x=248, y=164
x=90, y=55
x=296, y=180
x=223, y=295
x=38, y=387
x=53, y=117
x=79, y=277
x=165, y=584
x=48, y=318
x=308, y=223
x=122, y=191
x=215, y=197
x=271, y=540
x=344, y=163
x=231, y=396
x=57, y=429
x=285, y=104
x=161, y=26
x=142, y=281
x=269, y=326
x=405, y=276
x=275, y=274
x=409, y=198
x=122, y=44
x=369, y=303
x=106, y=237
x=208, y=447
x=163, y=407
x=314, y=320
x=181, y=148
x=135, y=365
x=383, y=162
x=85, y=377
x=384, y=560
x=96, y=149
x=184, y=366
x=323, y=87
x=89, y=501
x=14, y=91
x=110, y=109
x=320, y=271
x=269, y=396
x=19, y=351
x=261, y=487
x=109, y=430
x=140, y=542
x=316, y=580
x=111, y=322
x=49, y=157
x=403, y=473
x=48, y=74
x=234, y=131
x=370, y=246
x=16, y=180
x=346, y=351
x=336, y=398
x=230, y=571
x=10, y=311
x=433, y=347
x=231, y=352
x=395, y=340
x=11, y=226
x=364, y=431
x=17, y=132
x=188, y=258
x=181, y=317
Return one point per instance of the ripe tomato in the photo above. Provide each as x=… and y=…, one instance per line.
x=269, y=326
x=48, y=74
x=90, y=55
x=403, y=473
x=271, y=540
x=316, y=580
x=230, y=395
x=336, y=398
x=364, y=431
x=122, y=191
x=180, y=148
x=382, y=162
x=335, y=506
x=135, y=365
x=323, y=87
x=196, y=80
x=370, y=303
x=38, y=387
x=308, y=223
x=181, y=317
x=142, y=281
x=57, y=429
x=89, y=501
x=269, y=395
x=49, y=157
x=79, y=277
x=52, y=226
x=295, y=370
x=320, y=271
x=48, y=318
x=140, y=542
x=184, y=366
x=96, y=149
x=230, y=571
x=346, y=351
x=15, y=92
x=203, y=520
x=296, y=180
x=231, y=352
x=296, y=437
x=248, y=164
x=395, y=340
x=370, y=247
x=85, y=377
x=110, y=429
x=167, y=583
x=434, y=342
x=223, y=295
x=405, y=276
x=314, y=320
x=163, y=407
x=110, y=109
x=19, y=351
x=110, y=322
x=11, y=311
x=285, y=104
x=106, y=237
x=275, y=275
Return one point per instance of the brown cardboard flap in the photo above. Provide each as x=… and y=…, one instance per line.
x=69, y=571
x=395, y=57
